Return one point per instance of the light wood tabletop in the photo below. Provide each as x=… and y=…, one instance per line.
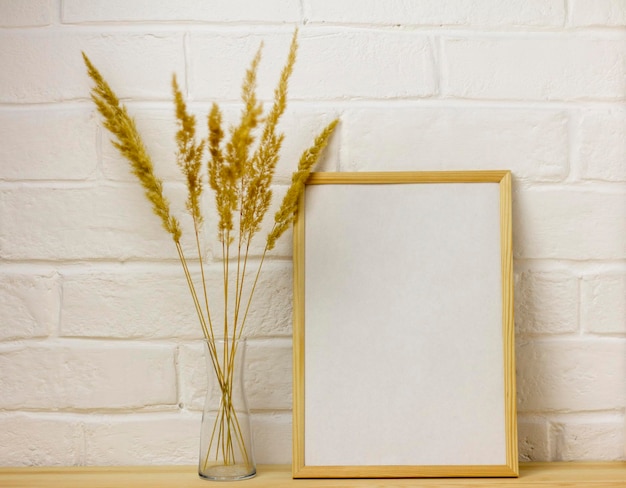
x=545, y=475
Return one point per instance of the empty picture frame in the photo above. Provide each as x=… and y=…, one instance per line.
x=403, y=326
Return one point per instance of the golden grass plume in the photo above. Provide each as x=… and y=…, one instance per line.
x=129, y=143
x=240, y=167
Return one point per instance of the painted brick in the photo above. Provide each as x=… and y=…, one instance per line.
x=533, y=439
x=272, y=437
x=433, y=12
x=192, y=375
x=87, y=376
x=48, y=66
x=267, y=376
x=35, y=439
x=128, y=439
x=533, y=68
x=29, y=305
x=34, y=144
x=603, y=303
x=364, y=64
x=271, y=311
x=125, y=305
x=218, y=63
x=142, y=439
x=546, y=221
x=153, y=439
x=566, y=375
x=351, y=66
x=26, y=14
x=602, y=142
x=273, y=11
x=546, y=303
x=533, y=144
x=597, y=13
x=151, y=305
x=594, y=440
x=83, y=222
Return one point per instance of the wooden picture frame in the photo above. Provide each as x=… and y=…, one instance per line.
x=403, y=326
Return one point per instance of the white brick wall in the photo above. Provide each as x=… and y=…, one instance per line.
x=99, y=355
x=543, y=67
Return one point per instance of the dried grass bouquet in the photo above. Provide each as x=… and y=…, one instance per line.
x=239, y=171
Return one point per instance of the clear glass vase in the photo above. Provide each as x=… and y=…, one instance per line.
x=226, y=450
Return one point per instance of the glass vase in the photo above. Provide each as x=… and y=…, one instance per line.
x=226, y=450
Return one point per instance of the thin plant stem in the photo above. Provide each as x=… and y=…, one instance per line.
x=192, y=290
x=194, y=295
x=209, y=332
x=204, y=289
x=239, y=294
x=225, y=261
x=238, y=285
x=226, y=424
x=254, y=284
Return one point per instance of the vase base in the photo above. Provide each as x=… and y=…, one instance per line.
x=227, y=473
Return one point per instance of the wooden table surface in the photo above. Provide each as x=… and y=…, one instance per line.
x=606, y=475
